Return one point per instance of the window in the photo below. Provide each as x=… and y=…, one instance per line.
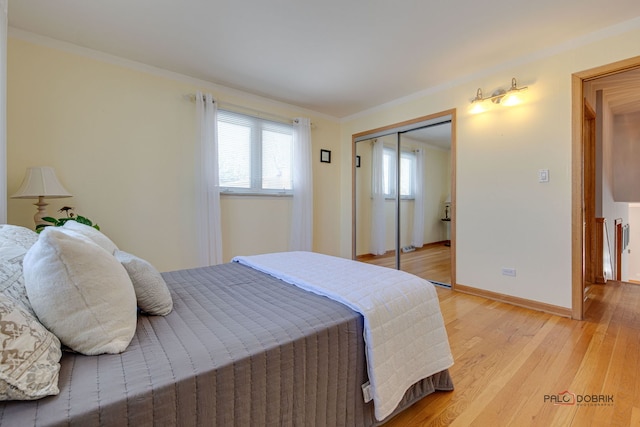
x=255, y=155
x=407, y=173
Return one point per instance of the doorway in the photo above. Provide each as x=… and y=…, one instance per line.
x=581, y=238
x=403, y=188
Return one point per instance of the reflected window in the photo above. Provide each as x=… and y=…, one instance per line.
x=407, y=173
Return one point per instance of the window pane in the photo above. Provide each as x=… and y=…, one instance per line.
x=234, y=148
x=276, y=160
x=407, y=164
x=389, y=171
x=407, y=173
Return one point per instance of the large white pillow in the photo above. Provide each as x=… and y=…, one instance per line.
x=94, y=235
x=30, y=355
x=80, y=292
x=152, y=292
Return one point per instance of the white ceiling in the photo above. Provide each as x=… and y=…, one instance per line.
x=335, y=57
x=438, y=136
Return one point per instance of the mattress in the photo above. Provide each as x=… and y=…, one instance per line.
x=240, y=348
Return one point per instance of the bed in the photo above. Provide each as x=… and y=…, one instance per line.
x=240, y=348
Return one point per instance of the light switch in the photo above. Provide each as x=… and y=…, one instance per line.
x=543, y=175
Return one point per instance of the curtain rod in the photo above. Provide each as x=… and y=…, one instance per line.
x=255, y=113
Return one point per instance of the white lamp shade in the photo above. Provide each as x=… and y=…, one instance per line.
x=38, y=182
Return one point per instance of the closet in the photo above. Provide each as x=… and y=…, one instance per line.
x=403, y=181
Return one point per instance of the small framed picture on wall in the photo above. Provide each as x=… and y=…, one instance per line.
x=325, y=156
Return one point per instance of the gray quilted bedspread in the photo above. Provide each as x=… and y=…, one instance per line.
x=239, y=349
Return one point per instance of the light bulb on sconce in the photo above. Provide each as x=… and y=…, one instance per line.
x=507, y=98
x=512, y=97
x=476, y=105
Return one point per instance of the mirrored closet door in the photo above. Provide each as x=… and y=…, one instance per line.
x=402, y=187
x=375, y=203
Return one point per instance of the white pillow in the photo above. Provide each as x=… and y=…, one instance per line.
x=12, y=282
x=96, y=236
x=80, y=292
x=30, y=355
x=152, y=292
x=15, y=241
x=17, y=236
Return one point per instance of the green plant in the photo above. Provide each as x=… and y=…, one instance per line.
x=70, y=216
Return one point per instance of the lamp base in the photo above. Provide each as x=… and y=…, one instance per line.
x=37, y=218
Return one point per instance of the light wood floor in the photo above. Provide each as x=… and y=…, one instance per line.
x=431, y=262
x=507, y=359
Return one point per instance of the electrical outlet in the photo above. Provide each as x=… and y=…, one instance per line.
x=509, y=272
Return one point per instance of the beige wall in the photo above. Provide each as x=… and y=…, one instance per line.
x=122, y=141
x=625, y=171
x=505, y=218
x=626, y=157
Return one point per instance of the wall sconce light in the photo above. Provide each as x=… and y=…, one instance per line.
x=504, y=97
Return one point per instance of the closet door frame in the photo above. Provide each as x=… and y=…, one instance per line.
x=399, y=128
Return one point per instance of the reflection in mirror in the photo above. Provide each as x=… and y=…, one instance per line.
x=426, y=170
x=417, y=230
x=375, y=201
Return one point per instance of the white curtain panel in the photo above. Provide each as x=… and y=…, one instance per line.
x=208, y=197
x=378, y=215
x=417, y=234
x=3, y=111
x=302, y=209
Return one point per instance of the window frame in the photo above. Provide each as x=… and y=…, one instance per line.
x=257, y=125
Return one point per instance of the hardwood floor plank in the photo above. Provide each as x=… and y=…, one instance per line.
x=547, y=362
x=431, y=262
x=509, y=361
x=635, y=417
x=595, y=361
x=617, y=377
x=504, y=370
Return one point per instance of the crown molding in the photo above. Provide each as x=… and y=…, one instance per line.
x=204, y=85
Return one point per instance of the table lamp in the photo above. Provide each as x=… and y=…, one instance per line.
x=447, y=206
x=40, y=183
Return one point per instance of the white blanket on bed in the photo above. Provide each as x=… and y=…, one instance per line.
x=404, y=332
